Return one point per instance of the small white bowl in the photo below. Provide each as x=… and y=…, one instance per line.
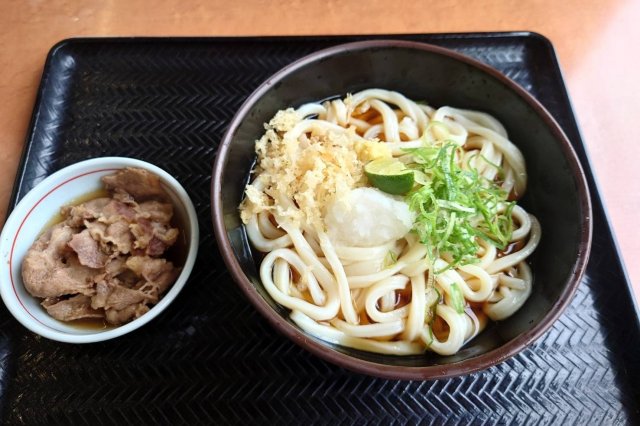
x=40, y=205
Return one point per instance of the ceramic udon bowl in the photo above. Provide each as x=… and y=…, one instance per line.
x=556, y=194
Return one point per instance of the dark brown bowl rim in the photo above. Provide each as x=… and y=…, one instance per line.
x=468, y=366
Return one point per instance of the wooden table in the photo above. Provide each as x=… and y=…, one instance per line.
x=597, y=44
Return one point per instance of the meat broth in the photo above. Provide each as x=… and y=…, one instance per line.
x=94, y=324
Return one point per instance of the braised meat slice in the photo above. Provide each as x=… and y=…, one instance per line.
x=87, y=249
x=115, y=238
x=120, y=304
x=153, y=237
x=117, y=210
x=155, y=211
x=54, y=241
x=116, y=266
x=76, y=215
x=139, y=183
x=127, y=314
x=76, y=307
x=159, y=272
x=111, y=295
x=51, y=269
x=98, y=230
x=119, y=234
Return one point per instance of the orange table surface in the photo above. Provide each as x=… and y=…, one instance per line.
x=597, y=45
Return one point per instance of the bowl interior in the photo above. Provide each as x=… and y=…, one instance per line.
x=553, y=193
x=39, y=210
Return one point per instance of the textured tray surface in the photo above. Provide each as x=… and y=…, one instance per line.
x=210, y=357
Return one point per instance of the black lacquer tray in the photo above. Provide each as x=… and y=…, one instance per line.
x=210, y=357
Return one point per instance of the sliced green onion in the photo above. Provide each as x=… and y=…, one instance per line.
x=455, y=207
x=491, y=163
x=456, y=298
x=420, y=177
x=432, y=298
x=452, y=205
x=390, y=259
x=431, y=338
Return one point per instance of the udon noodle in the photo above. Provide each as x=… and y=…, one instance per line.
x=386, y=273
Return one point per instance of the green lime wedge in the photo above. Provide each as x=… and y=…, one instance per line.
x=389, y=175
